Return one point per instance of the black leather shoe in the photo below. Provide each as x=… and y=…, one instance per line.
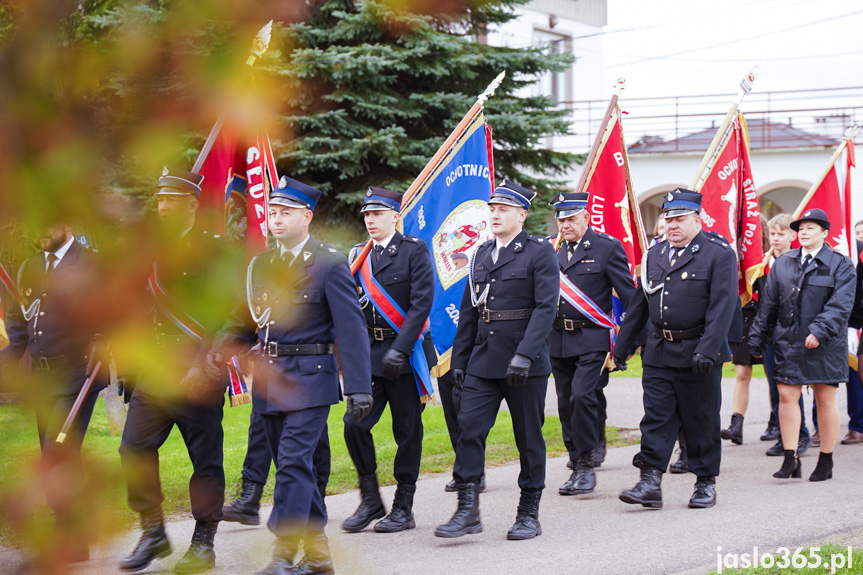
x=200, y=557
x=245, y=508
x=451, y=487
x=704, y=495
x=647, y=492
x=466, y=520
x=153, y=544
x=570, y=464
x=317, y=560
x=772, y=431
x=790, y=466
x=599, y=452
x=401, y=518
x=582, y=480
x=775, y=450
x=371, y=506
x=734, y=432
x=803, y=444
x=527, y=517
x=824, y=468
x=682, y=463
x=283, y=557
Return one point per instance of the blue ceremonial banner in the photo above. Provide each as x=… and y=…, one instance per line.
x=451, y=214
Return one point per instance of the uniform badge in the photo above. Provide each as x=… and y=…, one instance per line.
x=28, y=292
x=806, y=215
x=477, y=288
x=650, y=283
x=359, y=290
x=264, y=297
x=587, y=243
x=369, y=193
x=517, y=245
x=283, y=183
x=684, y=275
x=694, y=249
x=392, y=250
x=560, y=198
x=165, y=171
x=257, y=310
x=669, y=197
x=306, y=255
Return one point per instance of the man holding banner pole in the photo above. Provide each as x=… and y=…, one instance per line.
x=501, y=352
x=593, y=265
x=396, y=288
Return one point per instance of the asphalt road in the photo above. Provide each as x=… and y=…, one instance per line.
x=593, y=533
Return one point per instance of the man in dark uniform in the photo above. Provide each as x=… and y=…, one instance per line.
x=596, y=264
x=300, y=301
x=403, y=269
x=191, y=281
x=689, y=292
x=50, y=324
x=501, y=352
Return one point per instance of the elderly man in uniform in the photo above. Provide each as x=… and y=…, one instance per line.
x=689, y=284
x=192, y=282
x=402, y=268
x=300, y=301
x=51, y=325
x=595, y=264
x=501, y=352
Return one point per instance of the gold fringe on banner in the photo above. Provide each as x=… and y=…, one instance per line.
x=241, y=398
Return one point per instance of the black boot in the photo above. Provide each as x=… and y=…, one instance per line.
x=322, y=489
x=527, y=517
x=451, y=487
x=824, y=468
x=599, y=452
x=466, y=519
x=317, y=559
x=283, y=557
x=401, y=517
x=682, y=463
x=790, y=466
x=647, y=492
x=772, y=431
x=583, y=479
x=735, y=430
x=704, y=495
x=200, y=557
x=245, y=508
x=371, y=506
x=153, y=543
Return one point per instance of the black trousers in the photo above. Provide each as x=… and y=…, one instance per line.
x=676, y=399
x=581, y=403
x=450, y=399
x=480, y=403
x=292, y=438
x=148, y=425
x=256, y=464
x=404, y=400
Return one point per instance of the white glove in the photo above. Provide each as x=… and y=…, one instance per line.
x=853, y=341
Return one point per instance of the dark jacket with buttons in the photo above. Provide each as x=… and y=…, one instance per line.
x=314, y=301
x=405, y=272
x=524, y=277
x=794, y=304
x=59, y=330
x=699, y=290
x=598, y=266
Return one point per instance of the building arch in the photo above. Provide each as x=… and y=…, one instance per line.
x=781, y=196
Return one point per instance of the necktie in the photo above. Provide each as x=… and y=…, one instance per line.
x=288, y=258
x=52, y=261
x=806, y=261
x=569, y=250
x=494, y=254
x=675, y=253
x=379, y=249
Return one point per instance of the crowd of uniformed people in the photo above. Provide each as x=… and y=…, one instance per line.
x=532, y=306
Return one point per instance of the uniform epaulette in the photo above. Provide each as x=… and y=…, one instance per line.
x=538, y=239
x=717, y=238
x=328, y=248
x=606, y=236
x=411, y=238
x=487, y=243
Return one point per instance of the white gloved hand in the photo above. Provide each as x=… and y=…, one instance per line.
x=853, y=341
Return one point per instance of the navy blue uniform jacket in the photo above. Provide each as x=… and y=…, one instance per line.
x=525, y=276
x=404, y=270
x=313, y=301
x=598, y=265
x=795, y=304
x=700, y=290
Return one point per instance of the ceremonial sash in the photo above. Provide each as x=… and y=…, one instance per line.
x=579, y=300
x=395, y=316
x=237, y=390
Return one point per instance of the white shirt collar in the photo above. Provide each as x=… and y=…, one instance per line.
x=295, y=251
x=61, y=251
x=500, y=245
x=805, y=251
x=386, y=240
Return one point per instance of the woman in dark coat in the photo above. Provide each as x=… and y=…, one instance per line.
x=805, y=306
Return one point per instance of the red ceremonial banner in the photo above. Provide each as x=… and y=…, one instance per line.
x=730, y=205
x=612, y=204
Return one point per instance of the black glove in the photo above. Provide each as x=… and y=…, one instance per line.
x=359, y=406
x=213, y=365
x=393, y=363
x=516, y=373
x=458, y=378
x=619, y=362
x=701, y=363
